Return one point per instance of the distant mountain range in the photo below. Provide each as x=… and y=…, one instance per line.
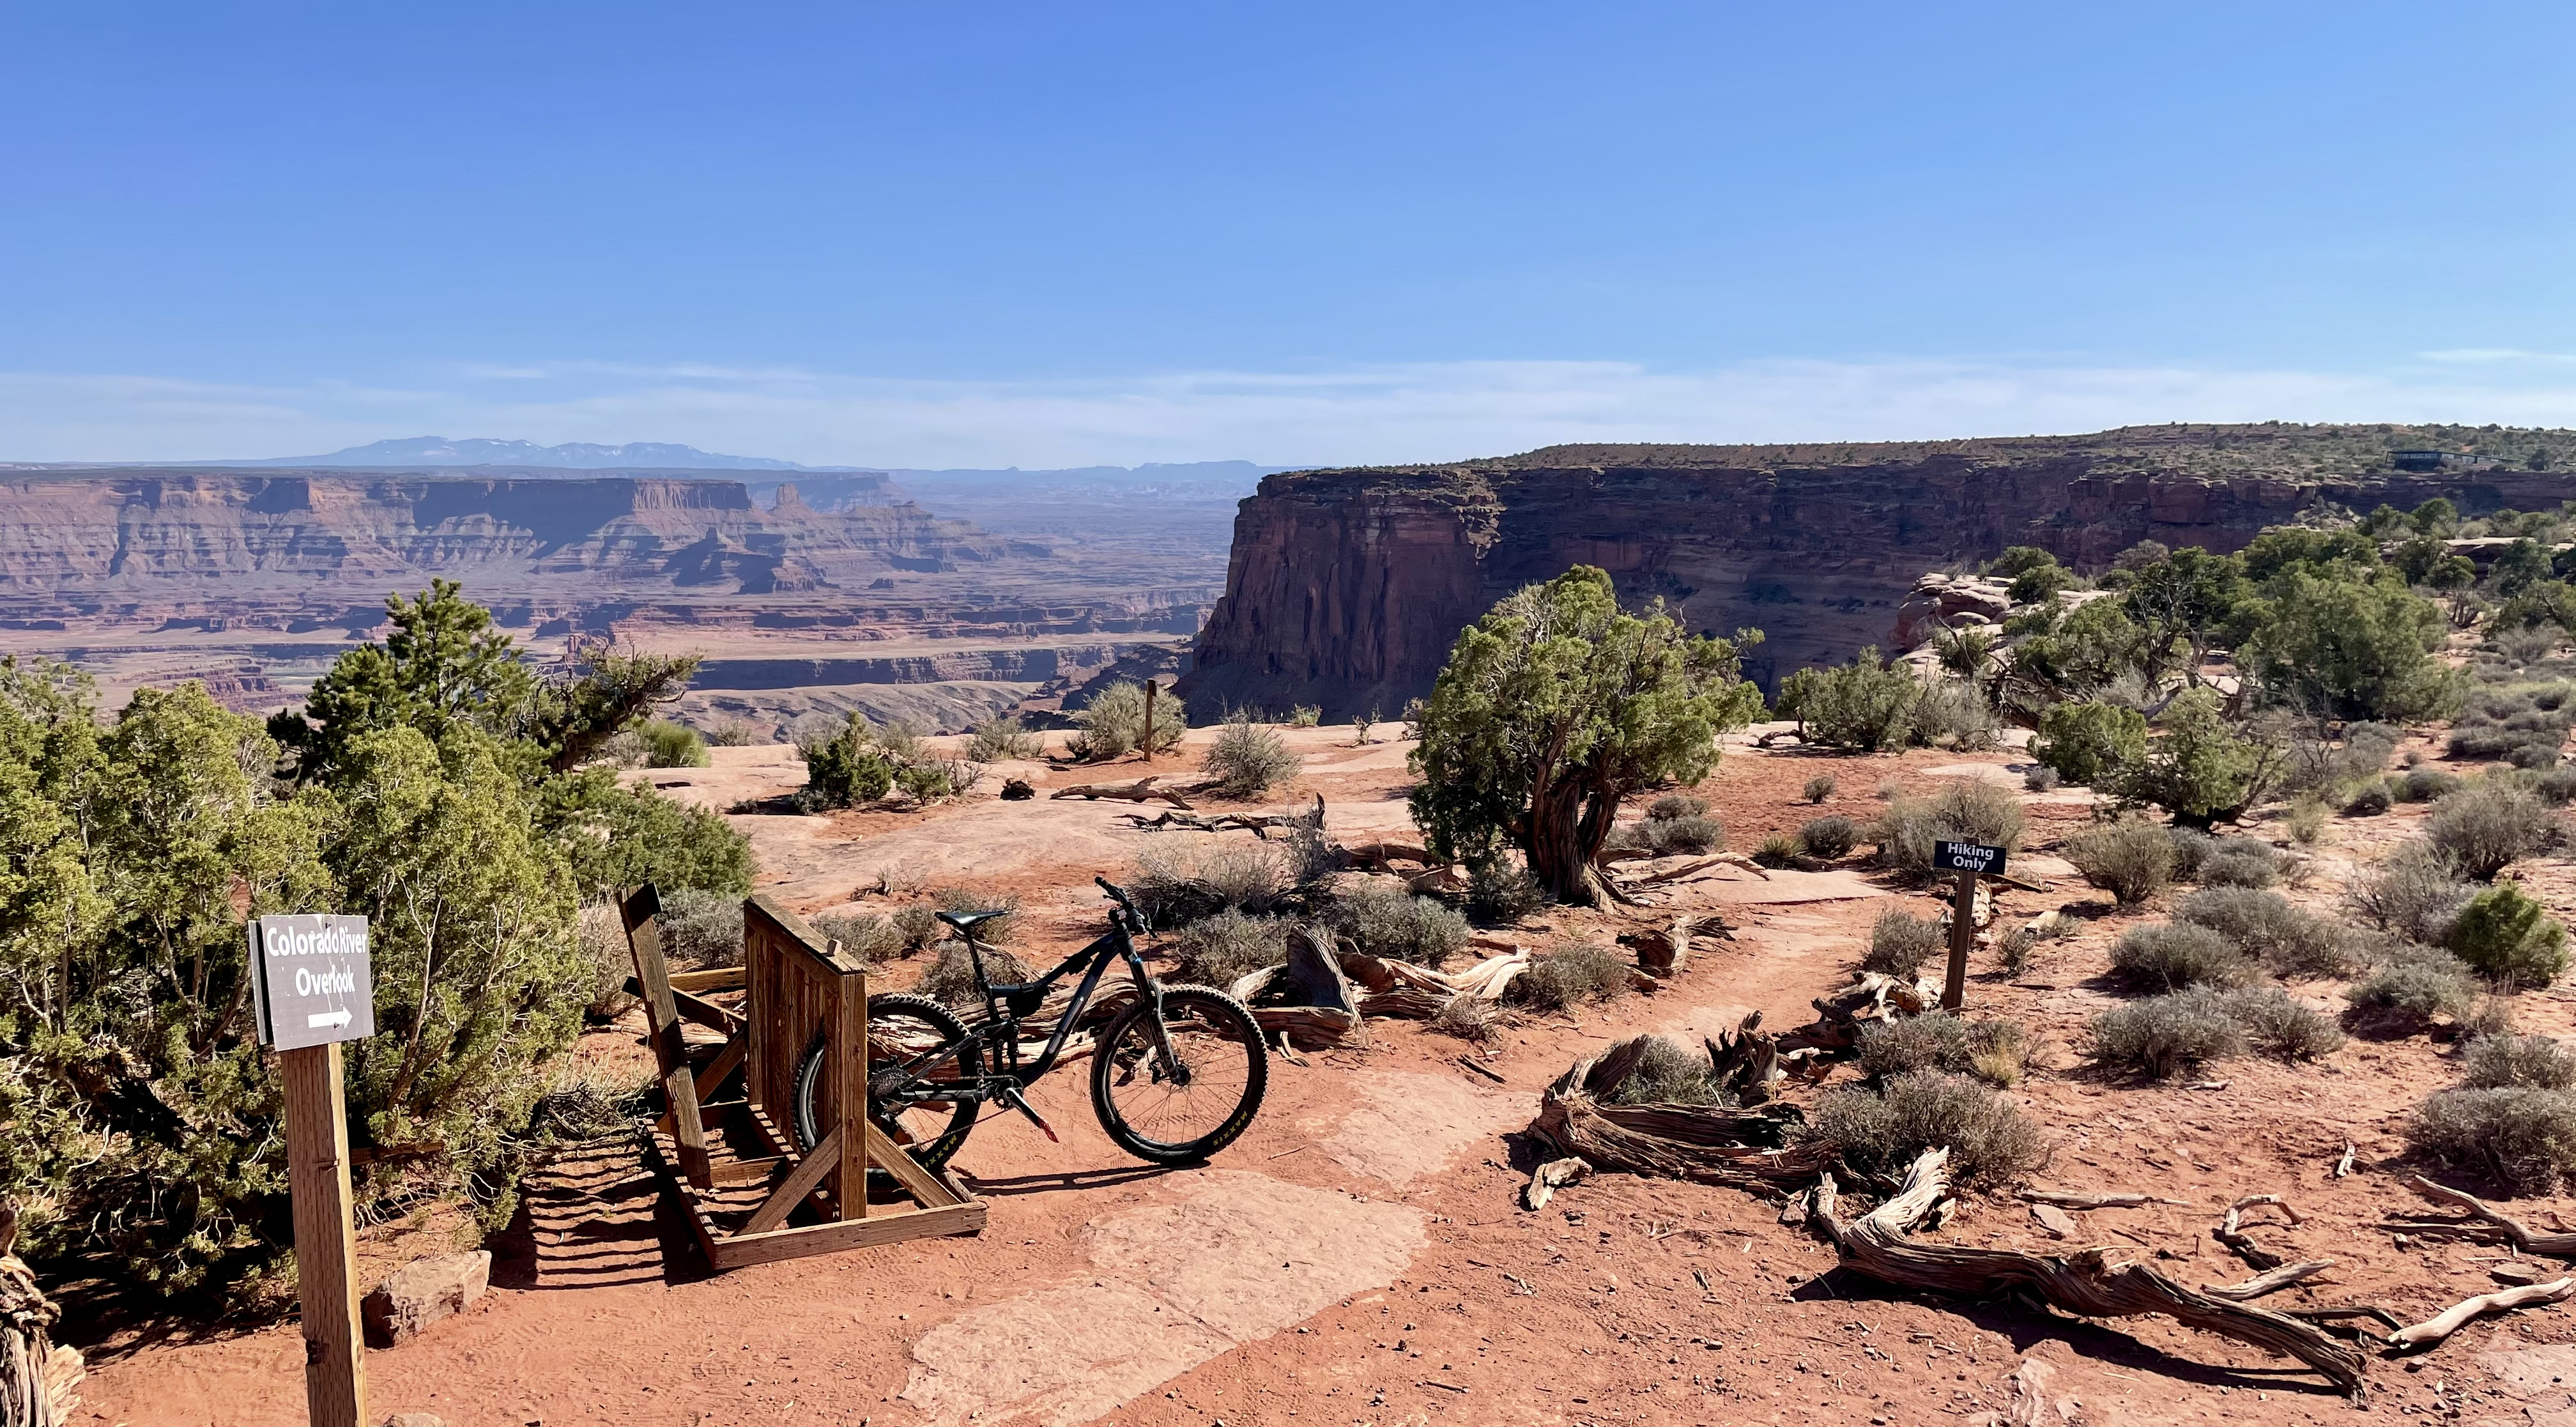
x=483, y=451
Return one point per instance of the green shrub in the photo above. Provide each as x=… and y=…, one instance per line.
x=2422, y=785
x=701, y=929
x=1005, y=739
x=1112, y=725
x=844, y=768
x=1900, y=943
x=2524, y=1140
x=1821, y=787
x=2263, y=925
x=932, y=779
x=2367, y=801
x=1249, y=760
x=1879, y=1132
x=2164, y=1036
x=671, y=745
x=1860, y=706
x=2239, y=862
x=1501, y=892
x=1963, y=810
x=2415, y=984
x=2087, y=742
x=1667, y=1073
x=2506, y=936
x=1399, y=925
x=869, y=938
x=2131, y=859
x=2196, y=767
x=2279, y=1026
x=2487, y=825
x=1829, y=837
x=1220, y=950
x=1567, y=977
x=2518, y=1062
x=2172, y=957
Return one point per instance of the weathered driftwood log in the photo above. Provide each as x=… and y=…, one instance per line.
x=2452, y=1319
x=1306, y=999
x=1140, y=791
x=2230, y=1231
x=37, y=1377
x=1663, y=952
x=2087, y=1284
x=1689, y=869
x=1744, y=1062
x=1872, y=996
x=1404, y=991
x=2072, y=1199
x=1707, y=1144
x=1379, y=852
x=2272, y=1282
x=1550, y=1177
x=2485, y=1224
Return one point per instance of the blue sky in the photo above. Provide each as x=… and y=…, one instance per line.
x=1049, y=234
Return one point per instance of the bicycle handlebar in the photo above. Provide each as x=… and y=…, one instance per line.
x=1116, y=893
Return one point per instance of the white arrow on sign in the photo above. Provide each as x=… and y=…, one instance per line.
x=326, y=1018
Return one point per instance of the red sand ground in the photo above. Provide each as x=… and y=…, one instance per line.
x=1359, y=1256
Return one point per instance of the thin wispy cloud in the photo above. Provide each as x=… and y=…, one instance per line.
x=1360, y=414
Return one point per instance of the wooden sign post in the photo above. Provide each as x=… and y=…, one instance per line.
x=1970, y=860
x=314, y=989
x=1153, y=686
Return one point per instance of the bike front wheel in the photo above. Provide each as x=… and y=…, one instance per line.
x=1177, y=1090
x=900, y=1027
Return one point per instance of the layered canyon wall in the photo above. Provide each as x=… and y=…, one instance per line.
x=1347, y=587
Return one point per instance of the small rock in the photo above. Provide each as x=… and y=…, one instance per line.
x=2058, y=1223
x=422, y=1292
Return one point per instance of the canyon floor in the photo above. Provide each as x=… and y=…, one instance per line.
x=1360, y=1256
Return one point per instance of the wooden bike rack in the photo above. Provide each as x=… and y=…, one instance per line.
x=752, y=1198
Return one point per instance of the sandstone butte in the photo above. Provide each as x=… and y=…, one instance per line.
x=1346, y=587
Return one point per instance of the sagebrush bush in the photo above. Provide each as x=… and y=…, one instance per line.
x=2131, y=859
x=2523, y=1139
x=2421, y=785
x=1501, y=892
x=1829, y=837
x=1963, y=810
x=602, y=936
x=1819, y=788
x=2239, y=862
x=1112, y=725
x=862, y=935
x=1004, y=739
x=2510, y=1061
x=2263, y=925
x=2040, y=778
x=1953, y=713
x=2169, y=956
x=1219, y=950
x=1568, y=976
x=2191, y=848
x=2413, y=893
x=1399, y=925
x=2488, y=824
x=2367, y=801
x=1667, y=1073
x=2163, y=1036
x=951, y=977
x=2279, y=1026
x=1175, y=883
x=1992, y=1051
x=2508, y=937
x=1305, y=716
x=1880, y=1131
x=1671, y=807
x=2414, y=984
x=1899, y=944
x=1248, y=760
x=1469, y=1018
x=2557, y=787
x=919, y=926
x=701, y=929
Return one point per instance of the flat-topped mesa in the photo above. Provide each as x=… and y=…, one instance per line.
x=1347, y=587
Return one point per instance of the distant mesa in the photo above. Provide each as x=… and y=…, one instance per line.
x=484, y=451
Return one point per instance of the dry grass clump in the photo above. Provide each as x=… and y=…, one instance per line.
x=1780, y=850
x=1992, y=1051
x=1175, y=883
x=1879, y=1132
x=2172, y=956
x=867, y=937
x=2040, y=778
x=2413, y=984
x=2263, y=925
x=2524, y=1139
x=2510, y=1061
x=1963, y=810
x=1567, y=977
x=2413, y=893
x=2131, y=859
x=1819, y=788
x=1219, y=950
x=601, y=931
x=1249, y=760
x=951, y=977
x=2163, y=1036
x=1899, y=944
x=1399, y=925
x=963, y=900
x=2557, y=787
x=1667, y=1073
x=1829, y=837
x=1469, y=1018
x=2488, y=824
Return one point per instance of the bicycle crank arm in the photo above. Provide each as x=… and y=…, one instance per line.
x=1019, y=1102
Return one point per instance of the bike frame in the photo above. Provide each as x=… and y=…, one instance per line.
x=1000, y=1024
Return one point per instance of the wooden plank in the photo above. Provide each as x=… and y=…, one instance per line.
x=723, y=1065
x=326, y=1242
x=697, y=1212
x=774, y=1210
x=704, y=1012
x=713, y=1115
x=849, y=1068
x=721, y=978
x=921, y=1183
x=747, y=1171
x=641, y=912
x=744, y=1250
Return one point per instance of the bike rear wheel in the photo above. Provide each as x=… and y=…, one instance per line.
x=1184, y=1107
x=900, y=1028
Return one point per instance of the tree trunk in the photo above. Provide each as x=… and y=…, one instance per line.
x=1567, y=826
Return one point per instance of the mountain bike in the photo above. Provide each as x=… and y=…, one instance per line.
x=1175, y=1077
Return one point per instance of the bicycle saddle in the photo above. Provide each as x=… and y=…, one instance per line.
x=967, y=921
